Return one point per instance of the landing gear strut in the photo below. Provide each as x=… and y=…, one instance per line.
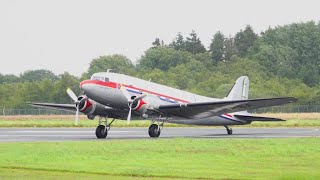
x=103, y=127
x=229, y=130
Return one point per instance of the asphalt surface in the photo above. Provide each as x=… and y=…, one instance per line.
x=81, y=134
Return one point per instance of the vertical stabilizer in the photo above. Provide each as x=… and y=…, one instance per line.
x=240, y=89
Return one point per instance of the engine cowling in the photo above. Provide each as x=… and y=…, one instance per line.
x=90, y=108
x=140, y=107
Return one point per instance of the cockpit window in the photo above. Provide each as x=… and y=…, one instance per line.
x=99, y=78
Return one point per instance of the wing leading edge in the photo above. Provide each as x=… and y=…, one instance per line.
x=216, y=108
x=65, y=107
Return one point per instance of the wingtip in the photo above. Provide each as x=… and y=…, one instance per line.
x=292, y=99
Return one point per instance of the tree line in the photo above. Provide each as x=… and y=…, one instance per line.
x=280, y=61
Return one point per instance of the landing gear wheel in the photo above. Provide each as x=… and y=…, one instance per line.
x=229, y=130
x=101, y=131
x=154, y=130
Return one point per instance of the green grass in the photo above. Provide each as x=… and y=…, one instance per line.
x=293, y=158
x=119, y=123
x=16, y=173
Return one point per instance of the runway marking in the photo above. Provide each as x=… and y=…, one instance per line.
x=65, y=135
x=68, y=131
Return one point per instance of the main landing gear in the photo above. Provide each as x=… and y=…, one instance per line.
x=155, y=130
x=103, y=128
x=229, y=130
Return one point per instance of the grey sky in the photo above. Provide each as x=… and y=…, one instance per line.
x=65, y=35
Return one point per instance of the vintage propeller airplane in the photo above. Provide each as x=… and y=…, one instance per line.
x=118, y=96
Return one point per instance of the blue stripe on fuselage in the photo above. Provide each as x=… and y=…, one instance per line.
x=231, y=119
x=162, y=99
x=137, y=92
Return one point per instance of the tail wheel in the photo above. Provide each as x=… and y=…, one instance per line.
x=154, y=130
x=101, y=131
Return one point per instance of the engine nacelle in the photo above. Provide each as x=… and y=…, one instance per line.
x=90, y=108
x=140, y=107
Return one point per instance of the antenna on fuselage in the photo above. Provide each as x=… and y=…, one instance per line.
x=109, y=70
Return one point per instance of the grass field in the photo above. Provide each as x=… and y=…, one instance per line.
x=293, y=158
x=293, y=120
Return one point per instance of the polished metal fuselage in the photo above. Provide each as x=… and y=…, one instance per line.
x=109, y=94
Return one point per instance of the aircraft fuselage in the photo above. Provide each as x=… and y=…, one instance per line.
x=107, y=91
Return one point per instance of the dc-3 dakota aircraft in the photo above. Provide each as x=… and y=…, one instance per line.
x=118, y=96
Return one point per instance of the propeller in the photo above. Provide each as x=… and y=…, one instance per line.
x=75, y=99
x=131, y=101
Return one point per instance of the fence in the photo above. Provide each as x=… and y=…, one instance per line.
x=13, y=112
x=289, y=109
x=274, y=109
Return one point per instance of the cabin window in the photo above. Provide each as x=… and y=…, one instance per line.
x=99, y=78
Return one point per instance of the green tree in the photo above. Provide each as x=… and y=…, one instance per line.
x=156, y=43
x=118, y=63
x=244, y=40
x=193, y=44
x=37, y=75
x=9, y=78
x=230, y=49
x=217, y=47
x=179, y=43
x=293, y=50
x=163, y=58
x=59, y=94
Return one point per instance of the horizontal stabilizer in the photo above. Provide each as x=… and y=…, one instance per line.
x=257, y=118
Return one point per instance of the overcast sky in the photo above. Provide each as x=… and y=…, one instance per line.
x=65, y=35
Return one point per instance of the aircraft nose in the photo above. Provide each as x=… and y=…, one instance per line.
x=84, y=85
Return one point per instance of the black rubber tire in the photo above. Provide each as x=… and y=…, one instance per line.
x=229, y=131
x=101, y=132
x=153, y=131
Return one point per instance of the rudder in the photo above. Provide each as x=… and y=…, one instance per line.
x=240, y=89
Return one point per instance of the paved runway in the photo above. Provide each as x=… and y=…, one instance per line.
x=79, y=134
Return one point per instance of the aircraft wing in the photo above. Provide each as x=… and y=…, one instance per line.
x=65, y=107
x=216, y=108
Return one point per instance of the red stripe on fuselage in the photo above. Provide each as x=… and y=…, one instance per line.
x=157, y=94
x=115, y=85
x=229, y=115
x=108, y=84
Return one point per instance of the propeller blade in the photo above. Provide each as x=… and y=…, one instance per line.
x=125, y=93
x=129, y=115
x=72, y=95
x=77, y=116
x=140, y=97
